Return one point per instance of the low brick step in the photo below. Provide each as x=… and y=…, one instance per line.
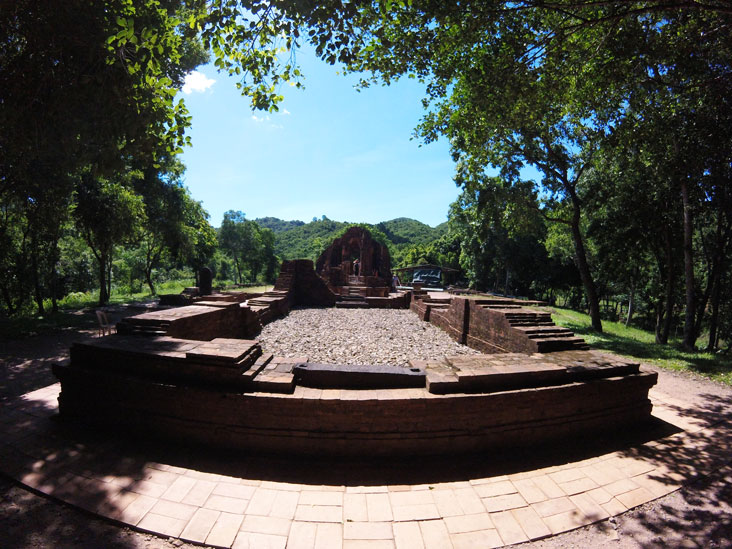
x=437, y=304
x=259, y=302
x=140, y=330
x=274, y=382
x=445, y=300
x=530, y=330
x=550, y=336
x=352, y=305
x=525, y=319
x=599, y=371
x=523, y=314
x=142, y=326
x=132, y=321
x=259, y=365
x=531, y=323
x=561, y=344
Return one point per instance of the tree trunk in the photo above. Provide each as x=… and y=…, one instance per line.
x=714, y=320
x=690, y=336
x=109, y=276
x=584, y=268
x=663, y=331
x=37, y=289
x=659, y=320
x=55, y=256
x=103, y=296
x=631, y=303
x=238, y=270
x=148, y=280
x=716, y=282
x=54, y=289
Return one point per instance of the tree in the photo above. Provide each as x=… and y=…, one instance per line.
x=84, y=86
x=241, y=239
x=107, y=214
x=500, y=234
x=678, y=120
x=269, y=259
x=174, y=223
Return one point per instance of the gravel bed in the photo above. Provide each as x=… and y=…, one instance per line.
x=357, y=336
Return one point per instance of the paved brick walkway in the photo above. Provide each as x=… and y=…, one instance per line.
x=234, y=501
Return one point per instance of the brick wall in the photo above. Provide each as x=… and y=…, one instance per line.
x=347, y=422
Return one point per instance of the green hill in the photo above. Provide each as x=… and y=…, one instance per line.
x=278, y=225
x=299, y=240
x=403, y=230
x=308, y=240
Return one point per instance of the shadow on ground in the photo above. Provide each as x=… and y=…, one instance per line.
x=64, y=459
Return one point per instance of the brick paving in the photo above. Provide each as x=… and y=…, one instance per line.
x=235, y=501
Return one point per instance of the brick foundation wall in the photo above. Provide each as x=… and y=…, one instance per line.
x=350, y=422
x=233, y=322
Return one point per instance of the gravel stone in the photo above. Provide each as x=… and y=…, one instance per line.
x=357, y=336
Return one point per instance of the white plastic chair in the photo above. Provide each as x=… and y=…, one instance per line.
x=105, y=327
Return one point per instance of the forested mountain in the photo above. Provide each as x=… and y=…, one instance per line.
x=299, y=240
x=403, y=230
x=306, y=241
x=277, y=225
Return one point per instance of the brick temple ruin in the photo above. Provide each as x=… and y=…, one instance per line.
x=197, y=373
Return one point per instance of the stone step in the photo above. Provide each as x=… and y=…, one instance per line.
x=525, y=319
x=160, y=327
x=274, y=382
x=437, y=305
x=530, y=330
x=352, y=305
x=551, y=335
x=142, y=331
x=147, y=322
x=259, y=365
x=561, y=344
x=263, y=301
x=518, y=314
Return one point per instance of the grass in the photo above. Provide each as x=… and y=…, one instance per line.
x=640, y=344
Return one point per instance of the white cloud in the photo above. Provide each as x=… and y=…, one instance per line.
x=267, y=121
x=197, y=82
x=284, y=112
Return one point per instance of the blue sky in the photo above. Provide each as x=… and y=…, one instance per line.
x=329, y=151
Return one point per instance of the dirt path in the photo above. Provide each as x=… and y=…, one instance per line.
x=699, y=515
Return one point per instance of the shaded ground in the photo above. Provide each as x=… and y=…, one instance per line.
x=696, y=516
